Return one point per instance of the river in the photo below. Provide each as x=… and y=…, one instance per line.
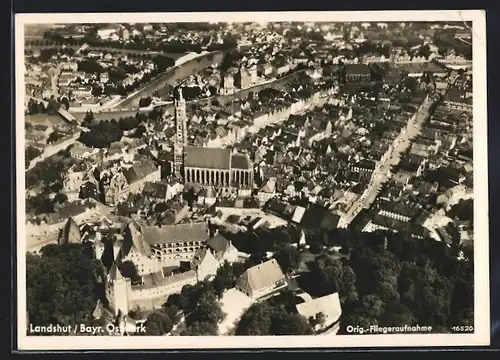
x=171, y=77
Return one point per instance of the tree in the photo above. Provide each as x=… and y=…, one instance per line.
x=65, y=103
x=162, y=62
x=145, y=102
x=60, y=198
x=89, y=116
x=30, y=153
x=53, y=106
x=319, y=319
x=289, y=258
x=129, y=270
x=264, y=319
x=207, y=310
x=158, y=323
x=140, y=131
x=316, y=248
x=256, y=320
x=90, y=66
x=53, y=137
x=128, y=123
x=56, y=278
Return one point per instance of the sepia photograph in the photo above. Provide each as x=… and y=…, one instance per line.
x=306, y=180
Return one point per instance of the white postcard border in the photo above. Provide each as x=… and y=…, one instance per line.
x=481, y=335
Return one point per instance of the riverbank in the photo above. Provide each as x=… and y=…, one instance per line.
x=185, y=66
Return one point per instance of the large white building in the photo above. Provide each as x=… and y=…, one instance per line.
x=155, y=251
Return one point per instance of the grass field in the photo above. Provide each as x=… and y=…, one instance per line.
x=44, y=119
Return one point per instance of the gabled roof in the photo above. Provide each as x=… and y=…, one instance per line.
x=329, y=305
x=240, y=161
x=207, y=158
x=175, y=233
x=317, y=216
x=218, y=243
x=263, y=275
x=139, y=171
x=156, y=190
x=355, y=69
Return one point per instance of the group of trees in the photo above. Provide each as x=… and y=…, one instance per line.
x=392, y=279
x=30, y=153
x=374, y=48
x=463, y=210
x=163, y=63
x=90, y=66
x=49, y=170
x=129, y=270
x=103, y=133
x=446, y=42
x=145, y=102
x=197, y=304
x=36, y=107
x=309, y=36
x=54, y=137
x=63, y=285
x=265, y=319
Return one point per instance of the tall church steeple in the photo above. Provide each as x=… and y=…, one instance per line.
x=180, y=133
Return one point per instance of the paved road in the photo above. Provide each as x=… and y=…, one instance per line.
x=53, y=149
x=382, y=170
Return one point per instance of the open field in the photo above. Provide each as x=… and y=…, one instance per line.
x=44, y=119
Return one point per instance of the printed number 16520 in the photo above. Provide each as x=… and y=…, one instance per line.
x=462, y=328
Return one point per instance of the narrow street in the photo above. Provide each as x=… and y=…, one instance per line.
x=382, y=171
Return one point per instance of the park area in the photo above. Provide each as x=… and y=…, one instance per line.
x=44, y=119
x=233, y=303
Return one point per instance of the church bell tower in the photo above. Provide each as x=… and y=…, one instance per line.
x=180, y=134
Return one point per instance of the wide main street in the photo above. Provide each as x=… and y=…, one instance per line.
x=382, y=171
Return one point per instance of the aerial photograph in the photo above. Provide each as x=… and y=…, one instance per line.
x=278, y=178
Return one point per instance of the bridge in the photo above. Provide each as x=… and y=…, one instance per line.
x=62, y=112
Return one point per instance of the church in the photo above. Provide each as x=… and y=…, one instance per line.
x=218, y=167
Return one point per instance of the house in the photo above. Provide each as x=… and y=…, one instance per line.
x=328, y=305
x=105, y=33
x=73, y=180
x=70, y=233
x=81, y=152
x=82, y=92
x=149, y=294
x=151, y=248
x=89, y=189
x=315, y=216
x=267, y=191
x=357, y=73
x=364, y=166
x=222, y=249
x=207, y=196
x=457, y=99
x=69, y=66
x=155, y=190
x=141, y=173
x=204, y=263
x=104, y=77
x=262, y=280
